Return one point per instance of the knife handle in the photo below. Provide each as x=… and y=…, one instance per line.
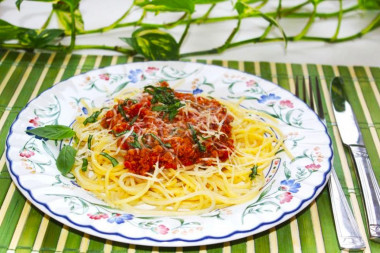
x=346, y=227
x=370, y=189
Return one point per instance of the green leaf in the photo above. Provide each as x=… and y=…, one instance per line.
x=112, y=160
x=122, y=112
x=18, y=4
x=166, y=145
x=52, y=132
x=135, y=143
x=63, y=11
x=194, y=133
x=208, y=1
x=369, y=4
x=167, y=5
x=84, y=164
x=9, y=31
x=154, y=44
x=93, y=117
x=89, y=141
x=253, y=173
x=40, y=40
x=241, y=8
x=66, y=159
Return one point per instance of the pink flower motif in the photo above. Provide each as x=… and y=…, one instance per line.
x=285, y=197
x=105, y=77
x=35, y=121
x=27, y=153
x=286, y=103
x=97, y=216
x=313, y=167
x=250, y=83
x=151, y=70
x=162, y=229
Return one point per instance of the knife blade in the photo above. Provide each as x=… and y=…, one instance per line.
x=351, y=136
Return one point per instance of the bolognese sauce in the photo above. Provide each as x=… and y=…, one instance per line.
x=170, y=128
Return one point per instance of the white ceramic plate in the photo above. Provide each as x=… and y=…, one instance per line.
x=290, y=184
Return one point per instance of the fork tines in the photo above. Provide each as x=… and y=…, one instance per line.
x=309, y=86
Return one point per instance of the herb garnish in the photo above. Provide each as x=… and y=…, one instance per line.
x=135, y=143
x=89, y=141
x=164, y=95
x=168, y=110
x=66, y=159
x=166, y=145
x=122, y=112
x=201, y=147
x=120, y=133
x=133, y=120
x=93, y=118
x=134, y=101
x=84, y=164
x=52, y=132
x=253, y=173
x=112, y=160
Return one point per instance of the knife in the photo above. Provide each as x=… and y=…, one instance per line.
x=351, y=136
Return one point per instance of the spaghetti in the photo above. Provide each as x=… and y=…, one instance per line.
x=165, y=152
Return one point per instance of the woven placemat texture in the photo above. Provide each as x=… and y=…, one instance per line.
x=23, y=228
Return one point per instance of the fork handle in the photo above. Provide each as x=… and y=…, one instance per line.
x=370, y=189
x=345, y=224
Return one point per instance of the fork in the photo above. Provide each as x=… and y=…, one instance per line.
x=347, y=230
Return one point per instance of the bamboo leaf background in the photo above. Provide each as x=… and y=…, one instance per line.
x=23, y=228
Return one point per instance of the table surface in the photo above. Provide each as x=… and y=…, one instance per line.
x=98, y=13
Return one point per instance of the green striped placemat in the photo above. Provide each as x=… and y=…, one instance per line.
x=23, y=228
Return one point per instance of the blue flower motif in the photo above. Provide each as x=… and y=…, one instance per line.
x=197, y=91
x=133, y=77
x=84, y=110
x=74, y=183
x=35, y=136
x=270, y=96
x=120, y=218
x=290, y=185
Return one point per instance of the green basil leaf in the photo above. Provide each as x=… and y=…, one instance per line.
x=92, y=118
x=194, y=133
x=135, y=143
x=253, y=173
x=122, y=112
x=89, y=141
x=166, y=145
x=9, y=31
x=154, y=44
x=84, y=164
x=167, y=5
x=133, y=120
x=66, y=159
x=52, y=132
x=112, y=160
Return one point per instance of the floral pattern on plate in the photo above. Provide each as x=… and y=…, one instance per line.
x=291, y=182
